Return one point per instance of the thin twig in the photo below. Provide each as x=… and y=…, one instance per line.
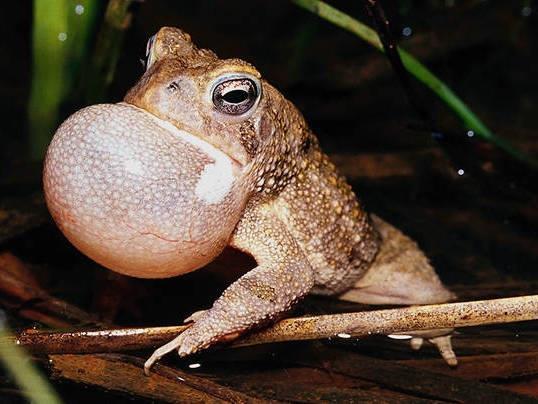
x=463, y=314
x=377, y=14
x=450, y=143
x=420, y=72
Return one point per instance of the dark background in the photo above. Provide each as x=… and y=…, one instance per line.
x=484, y=50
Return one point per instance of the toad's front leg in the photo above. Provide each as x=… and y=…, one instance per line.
x=282, y=277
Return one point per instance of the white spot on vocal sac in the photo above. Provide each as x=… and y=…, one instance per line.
x=215, y=181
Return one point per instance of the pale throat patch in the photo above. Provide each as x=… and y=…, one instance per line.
x=217, y=178
x=215, y=181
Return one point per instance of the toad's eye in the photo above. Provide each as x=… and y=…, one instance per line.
x=235, y=96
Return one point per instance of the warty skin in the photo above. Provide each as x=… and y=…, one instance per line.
x=204, y=153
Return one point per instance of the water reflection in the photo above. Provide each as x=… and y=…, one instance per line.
x=195, y=365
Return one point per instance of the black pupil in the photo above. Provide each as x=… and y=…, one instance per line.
x=235, y=96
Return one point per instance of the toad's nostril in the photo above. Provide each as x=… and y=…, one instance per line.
x=173, y=86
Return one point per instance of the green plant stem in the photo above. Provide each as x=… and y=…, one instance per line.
x=107, y=49
x=421, y=73
x=50, y=44
x=61, y=35
x=82, y=24
x=34, y=386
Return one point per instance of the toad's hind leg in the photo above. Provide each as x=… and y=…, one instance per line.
x=401, y=274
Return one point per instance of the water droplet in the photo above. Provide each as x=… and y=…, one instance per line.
x=194, y=365
x=461, y=171
x=344, y=335
x=17, y=342
x=470, y=133
x=407, y=31
x=526, y=11
x=79, y=9
x=62, y=36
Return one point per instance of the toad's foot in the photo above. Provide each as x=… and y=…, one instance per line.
x=159, y=353
x=442, y=339
x=401, y=274
x=192, y=340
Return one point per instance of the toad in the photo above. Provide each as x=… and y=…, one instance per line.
x=203, y=153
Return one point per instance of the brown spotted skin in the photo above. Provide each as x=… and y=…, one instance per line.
x=324, y=216
x=285, y=203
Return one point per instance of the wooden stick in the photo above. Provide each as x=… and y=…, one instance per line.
x=429, y=317
x=122, y=373
x=463, y=314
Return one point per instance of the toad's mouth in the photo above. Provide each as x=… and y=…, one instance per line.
x=196, y=140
